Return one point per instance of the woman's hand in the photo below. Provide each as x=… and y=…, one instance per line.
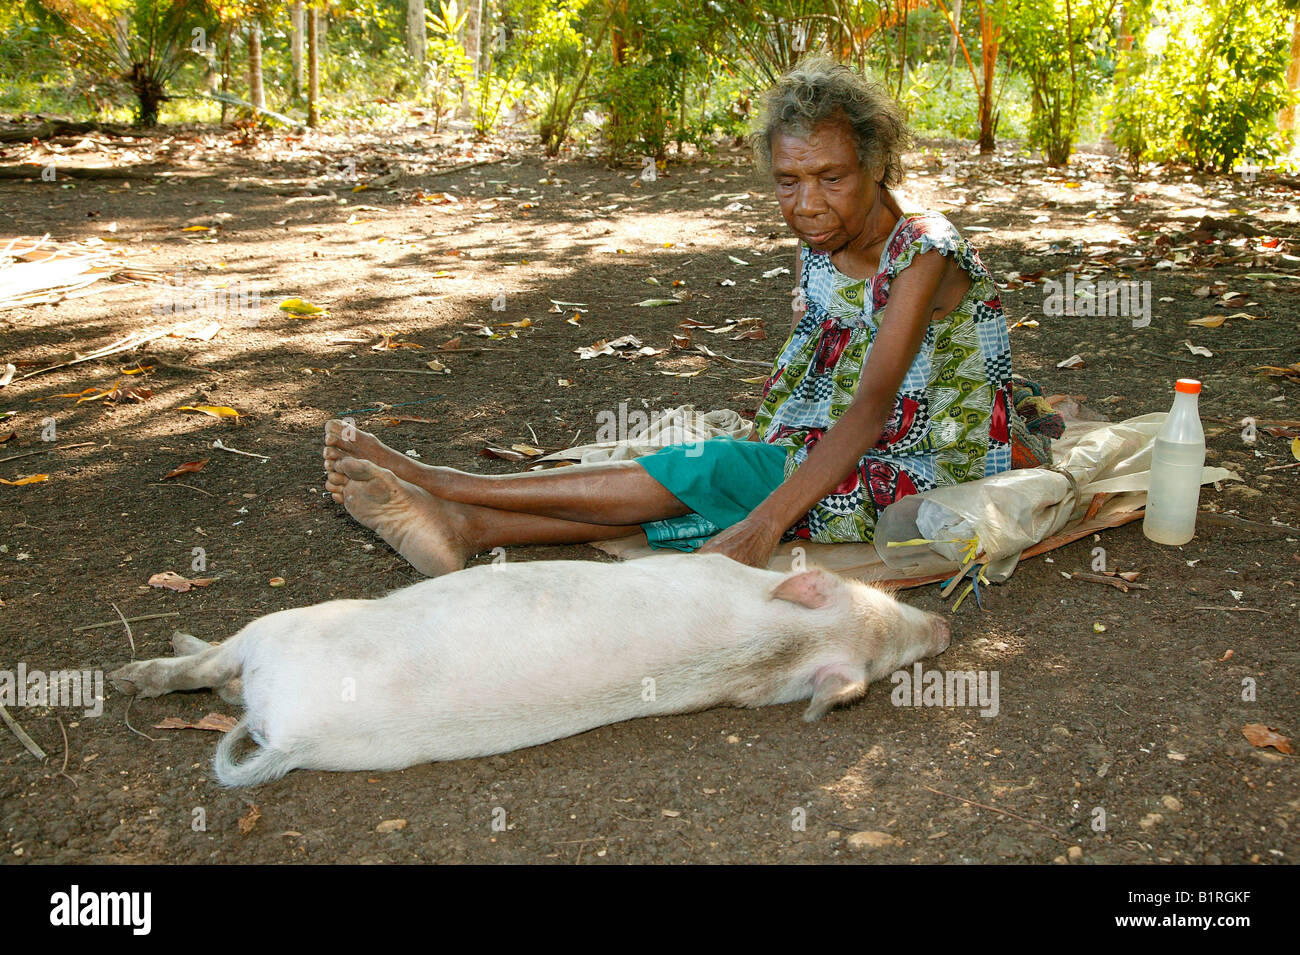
x=751, y=542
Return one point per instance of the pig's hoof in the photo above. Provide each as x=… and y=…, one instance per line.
x=122, y=682
x=232, y=692
x=137, y=679
x=185, y=645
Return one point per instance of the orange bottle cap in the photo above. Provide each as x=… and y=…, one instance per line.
x=1188, y=386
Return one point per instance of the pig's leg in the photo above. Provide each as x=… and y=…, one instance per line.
x=186, y=645
x=212, y=667
x=833, y=686
x=613, y=492
x=436, y=536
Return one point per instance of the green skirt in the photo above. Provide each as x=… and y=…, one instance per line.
x=721, y=480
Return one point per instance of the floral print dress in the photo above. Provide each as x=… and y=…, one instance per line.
x=951, y=417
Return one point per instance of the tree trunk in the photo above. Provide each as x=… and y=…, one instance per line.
x=296, y=17
x=902, y=52
x=952, y=43
x=256, y=95
x=473, y=23
x=474, y=36
x=225, y=76
x=989, y=59
x=313, y=66
x=1286, y=119
x=149, y=96
x=416, y=37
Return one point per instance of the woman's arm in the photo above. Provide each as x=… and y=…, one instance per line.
x=911, y=306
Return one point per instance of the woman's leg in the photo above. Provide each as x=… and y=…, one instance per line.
x=437, y=536
x=616, y=492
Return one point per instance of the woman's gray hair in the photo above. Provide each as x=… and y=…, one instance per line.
x=817, y=91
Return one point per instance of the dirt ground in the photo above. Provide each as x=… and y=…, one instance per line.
x=1142, y=720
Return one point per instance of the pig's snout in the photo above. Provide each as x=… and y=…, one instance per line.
x=940, y=633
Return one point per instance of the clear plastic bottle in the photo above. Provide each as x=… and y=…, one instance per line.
x=1176, y=466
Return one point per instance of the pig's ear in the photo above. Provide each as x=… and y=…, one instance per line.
x=833, y=686
x=811, y=588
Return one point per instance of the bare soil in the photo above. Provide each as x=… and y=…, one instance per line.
x=1140, y=722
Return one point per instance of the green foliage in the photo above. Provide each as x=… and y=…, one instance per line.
x=448, y=68
x=1202, y=81
x=556, y=60
x=1058, y=46
x=140, y=43
x=666, y=52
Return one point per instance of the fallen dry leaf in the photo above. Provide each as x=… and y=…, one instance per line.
x=1260, y=735
x=502, y=453
x=215, y=722
x=389, y=342
x=1074, y=361
x=300, y=308
x=170, y=580
x=249, y=819
x=189, y=467
x=215, y=411
x=1227, y=655
x=30, y=479
x=450, y=345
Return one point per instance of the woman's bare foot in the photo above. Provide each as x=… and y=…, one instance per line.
x=428, y=532
x=344, y=439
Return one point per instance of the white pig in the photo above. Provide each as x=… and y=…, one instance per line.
x=502, y=656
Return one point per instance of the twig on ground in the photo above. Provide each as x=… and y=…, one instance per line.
x=1283, y=467
x=23, y=738
x=1153, y=354
x=121, y=345
x=395, y=371
x=114, y=623
x=1117, y=582
x=28, y=454
x=463, y=167
x=130, y=637
x=1244, y=609
x=64, y=771
x=971, y=802
x=248, y=454
x=126, y=718
x=1232, y=520
x=179, y=484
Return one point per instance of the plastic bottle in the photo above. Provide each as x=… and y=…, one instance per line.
x=1176, y=466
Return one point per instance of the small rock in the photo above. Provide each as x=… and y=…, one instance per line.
x=1172, y=803
x=833, y=834
x=1060, y=860
x=1150, y=820
x=1074, y=853
x=391, y=825
x=873, y=839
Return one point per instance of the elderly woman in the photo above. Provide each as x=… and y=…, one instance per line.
x=896, y=378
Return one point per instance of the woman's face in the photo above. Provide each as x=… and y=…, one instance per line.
x=826, y=196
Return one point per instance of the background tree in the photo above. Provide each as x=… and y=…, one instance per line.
x=139, y=43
